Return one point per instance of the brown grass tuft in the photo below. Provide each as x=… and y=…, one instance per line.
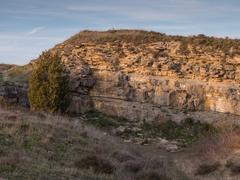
x=207, y=168
x=97, y=164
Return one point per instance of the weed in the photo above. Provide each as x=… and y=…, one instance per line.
x=6, y=140
x=31, y=141
x=102, y=120
x=233, y=166
x=133, y=166
x=7, y=168
x=207, y=168
x=151, y=175
x=188, y=131
x=97, y=164
x=122, y=156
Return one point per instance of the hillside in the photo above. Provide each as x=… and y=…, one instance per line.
x=42, y=146
x=133, y=73
x=3, y=69
x=143, y=106
x=97, y=146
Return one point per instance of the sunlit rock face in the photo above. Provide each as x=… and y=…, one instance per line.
x=136, y=80
x=141, y=97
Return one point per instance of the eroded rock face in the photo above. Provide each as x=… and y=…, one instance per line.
x=141, y=97
x=15, y=94
x=135, y=81
x=81, y=81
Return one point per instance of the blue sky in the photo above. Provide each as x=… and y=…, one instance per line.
x=27, y=27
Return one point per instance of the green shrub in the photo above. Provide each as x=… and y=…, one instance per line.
x=187, y=132
x=48, y=85
x=102, y=120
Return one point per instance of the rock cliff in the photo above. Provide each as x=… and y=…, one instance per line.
x=136, y=73
x=13, y=94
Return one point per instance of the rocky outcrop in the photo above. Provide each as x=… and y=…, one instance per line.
x=135, y=80
x=13, y=94
x=142, y=97
x=81, y=81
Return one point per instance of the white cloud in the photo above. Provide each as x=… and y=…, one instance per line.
x=36, y=30
x=98, y=8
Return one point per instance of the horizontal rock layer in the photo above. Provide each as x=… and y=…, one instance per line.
x=141, y=97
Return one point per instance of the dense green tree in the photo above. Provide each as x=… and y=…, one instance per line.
x=48, y=85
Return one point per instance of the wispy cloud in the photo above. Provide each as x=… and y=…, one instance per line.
x=98, y=8
x=35, y=30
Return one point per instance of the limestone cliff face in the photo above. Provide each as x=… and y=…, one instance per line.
x=125, y=78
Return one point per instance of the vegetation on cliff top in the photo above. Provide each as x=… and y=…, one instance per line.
x=198, y=42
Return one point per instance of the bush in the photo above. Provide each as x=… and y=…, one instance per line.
x=187, y=131
x=48, y=85
x=207, y=168
x=151, y=175
x=234, y=166
x=97, y=164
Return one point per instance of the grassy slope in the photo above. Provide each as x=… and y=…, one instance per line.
x=3, y=69
x=42, y=146
x=19, y=74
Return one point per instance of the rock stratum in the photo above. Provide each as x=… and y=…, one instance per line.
x=135, y=73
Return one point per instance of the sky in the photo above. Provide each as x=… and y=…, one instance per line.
x=28, y=27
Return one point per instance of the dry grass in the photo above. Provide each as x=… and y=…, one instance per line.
x=214, y=156
x=136, y=37
x=218, y=146
x=43, y=146
x=207, y=168
x=151, y=175
x=96, y=163
x=233, y=165
x=18, y=74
